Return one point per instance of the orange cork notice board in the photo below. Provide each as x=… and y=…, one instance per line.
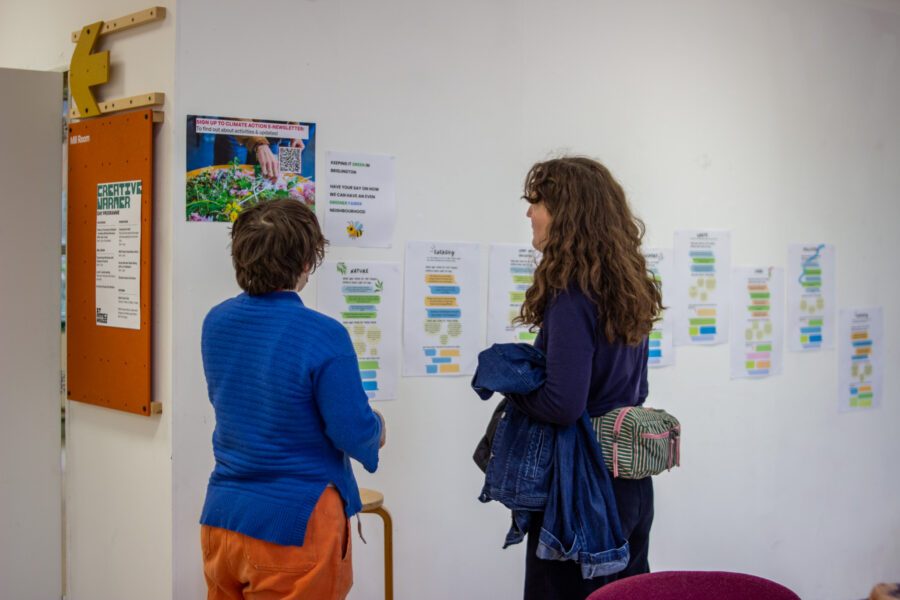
x=108, y=298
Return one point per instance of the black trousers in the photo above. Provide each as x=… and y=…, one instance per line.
x=561, y=580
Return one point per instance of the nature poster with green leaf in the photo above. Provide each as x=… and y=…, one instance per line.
x=366, y=297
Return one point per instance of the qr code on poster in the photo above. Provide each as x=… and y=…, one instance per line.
x=289, y=159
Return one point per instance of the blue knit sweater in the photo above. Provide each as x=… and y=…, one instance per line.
x=290, y=412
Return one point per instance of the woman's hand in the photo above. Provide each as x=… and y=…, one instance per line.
x=383, y=428
x=268, y=162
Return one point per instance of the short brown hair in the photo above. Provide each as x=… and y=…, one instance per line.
x=273, y=244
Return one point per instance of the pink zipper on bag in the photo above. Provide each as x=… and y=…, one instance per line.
x=674, y=458
x=674, y=445
x=617, y=428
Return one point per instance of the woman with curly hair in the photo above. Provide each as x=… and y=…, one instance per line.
x=595, y=303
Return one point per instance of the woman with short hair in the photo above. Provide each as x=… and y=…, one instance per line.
x=290, y=411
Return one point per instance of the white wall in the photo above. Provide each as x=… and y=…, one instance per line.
x=31, y=481
x=778, y=121
x=376, y=77
x=118, y=471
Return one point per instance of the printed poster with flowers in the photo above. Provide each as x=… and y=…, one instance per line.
x=236, y=163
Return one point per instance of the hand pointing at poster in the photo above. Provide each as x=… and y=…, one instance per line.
x=268, y=162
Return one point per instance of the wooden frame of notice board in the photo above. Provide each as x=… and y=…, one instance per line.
x=108, y=299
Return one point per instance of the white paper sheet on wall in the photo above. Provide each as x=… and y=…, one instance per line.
x=360, y=208
x=660, y=263
x=117, y=288
x=511, y=274
x=860, y=358
x=757, y=336
x=441, y=309
x=811, y=297
x=365, y=297
x=702, y=271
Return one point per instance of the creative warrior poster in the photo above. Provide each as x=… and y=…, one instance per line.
x=233, y=164
x=118, y=255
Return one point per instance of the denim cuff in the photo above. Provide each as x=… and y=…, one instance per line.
x=592, y=565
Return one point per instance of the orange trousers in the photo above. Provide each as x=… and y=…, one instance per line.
x=237, y=566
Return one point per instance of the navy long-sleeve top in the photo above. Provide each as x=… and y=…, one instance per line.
x=290, y=411
x=584, y=369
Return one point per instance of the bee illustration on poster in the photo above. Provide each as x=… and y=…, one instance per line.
x=236, y=163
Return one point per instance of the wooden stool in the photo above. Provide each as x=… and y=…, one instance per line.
x=373, y=502
x=885, y=591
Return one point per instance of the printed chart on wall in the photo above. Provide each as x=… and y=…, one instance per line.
x=660, y=264
x=359, y=204
x=860, y=358
x=511, y=274
x=702, y=269
x=365, y=297
x=233, y=164
x=811, y=296
x=757, y=336
x=118, y=256
x=441, y=309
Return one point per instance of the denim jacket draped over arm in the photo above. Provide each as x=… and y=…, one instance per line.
x=541, y=467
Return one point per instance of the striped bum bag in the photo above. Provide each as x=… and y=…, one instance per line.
x=638, y=442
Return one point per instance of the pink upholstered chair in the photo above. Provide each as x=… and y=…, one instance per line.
x=693, y=585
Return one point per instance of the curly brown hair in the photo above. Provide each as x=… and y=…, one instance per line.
x=593, y=241
x=273, y=244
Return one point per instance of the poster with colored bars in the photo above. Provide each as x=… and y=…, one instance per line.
x=702, y=270
x=757, y=336
x=660, y=263
x=511, y=274
x=860, y=358
x=441, y=309
x=365, y=297
x=811, y=298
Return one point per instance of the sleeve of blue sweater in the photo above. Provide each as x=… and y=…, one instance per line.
x=570, y=321
x=350, y=423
